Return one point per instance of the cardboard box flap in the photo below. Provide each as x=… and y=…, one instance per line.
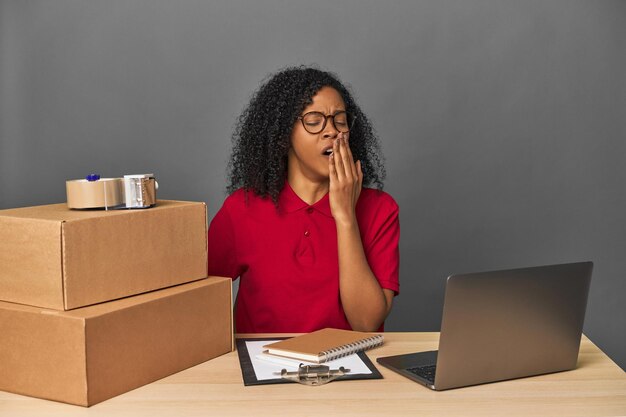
x=59, y=212
x=130, y=302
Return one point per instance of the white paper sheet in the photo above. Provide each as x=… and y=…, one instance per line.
x=266, y=370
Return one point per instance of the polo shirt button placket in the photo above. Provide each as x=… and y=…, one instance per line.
x=309, y=210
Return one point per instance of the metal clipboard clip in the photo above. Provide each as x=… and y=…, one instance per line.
x=314, y=374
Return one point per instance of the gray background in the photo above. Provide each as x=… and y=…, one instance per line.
x=503, y=122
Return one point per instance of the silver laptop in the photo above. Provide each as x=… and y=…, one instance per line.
x=502, y=325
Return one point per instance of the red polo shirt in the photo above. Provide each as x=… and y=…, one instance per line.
x=287, y=257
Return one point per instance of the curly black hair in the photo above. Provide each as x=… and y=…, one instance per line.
x=262, y=135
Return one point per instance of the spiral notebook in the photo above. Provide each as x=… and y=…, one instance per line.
x=324, y=345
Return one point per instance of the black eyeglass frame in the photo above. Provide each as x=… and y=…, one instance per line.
x=349, y=117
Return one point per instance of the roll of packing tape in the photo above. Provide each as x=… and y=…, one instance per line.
x=132, y=191
x=103, y=193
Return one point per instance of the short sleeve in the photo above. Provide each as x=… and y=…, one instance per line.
x=222, y=247
x=381, y=249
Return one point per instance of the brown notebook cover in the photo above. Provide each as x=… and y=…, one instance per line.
x=325, y=345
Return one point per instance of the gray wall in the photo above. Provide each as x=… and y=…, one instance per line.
x=503, y=122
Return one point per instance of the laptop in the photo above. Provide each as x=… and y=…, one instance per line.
x=502, y=325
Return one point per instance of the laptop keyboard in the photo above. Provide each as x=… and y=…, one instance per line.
x=427, y=372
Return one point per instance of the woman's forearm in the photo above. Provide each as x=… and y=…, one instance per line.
x=365, y=303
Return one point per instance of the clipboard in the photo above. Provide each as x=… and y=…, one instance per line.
x=250, y=378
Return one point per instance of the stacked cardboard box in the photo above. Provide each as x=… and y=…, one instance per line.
x=96, y=303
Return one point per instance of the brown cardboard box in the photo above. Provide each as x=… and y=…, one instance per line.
x=88, y=355
x=54, y=257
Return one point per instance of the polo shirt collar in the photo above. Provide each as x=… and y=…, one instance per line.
x=289, y=202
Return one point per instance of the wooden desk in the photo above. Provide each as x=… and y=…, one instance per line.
x=215, y=388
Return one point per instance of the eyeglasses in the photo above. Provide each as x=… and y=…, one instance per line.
x=314, y=122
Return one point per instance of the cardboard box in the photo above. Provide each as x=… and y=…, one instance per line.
x=62, y=259
x=88, y=355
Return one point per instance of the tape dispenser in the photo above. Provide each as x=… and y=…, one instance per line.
x=130, y=192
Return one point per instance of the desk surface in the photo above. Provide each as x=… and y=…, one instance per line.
x=597, y=387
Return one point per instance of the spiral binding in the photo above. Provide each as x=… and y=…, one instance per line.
x=349, y=349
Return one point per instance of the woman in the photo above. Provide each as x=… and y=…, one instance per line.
x=313, y=248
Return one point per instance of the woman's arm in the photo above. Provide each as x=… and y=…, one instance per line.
x=365, y=303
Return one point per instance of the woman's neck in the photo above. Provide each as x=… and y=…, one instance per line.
x=309, y=191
